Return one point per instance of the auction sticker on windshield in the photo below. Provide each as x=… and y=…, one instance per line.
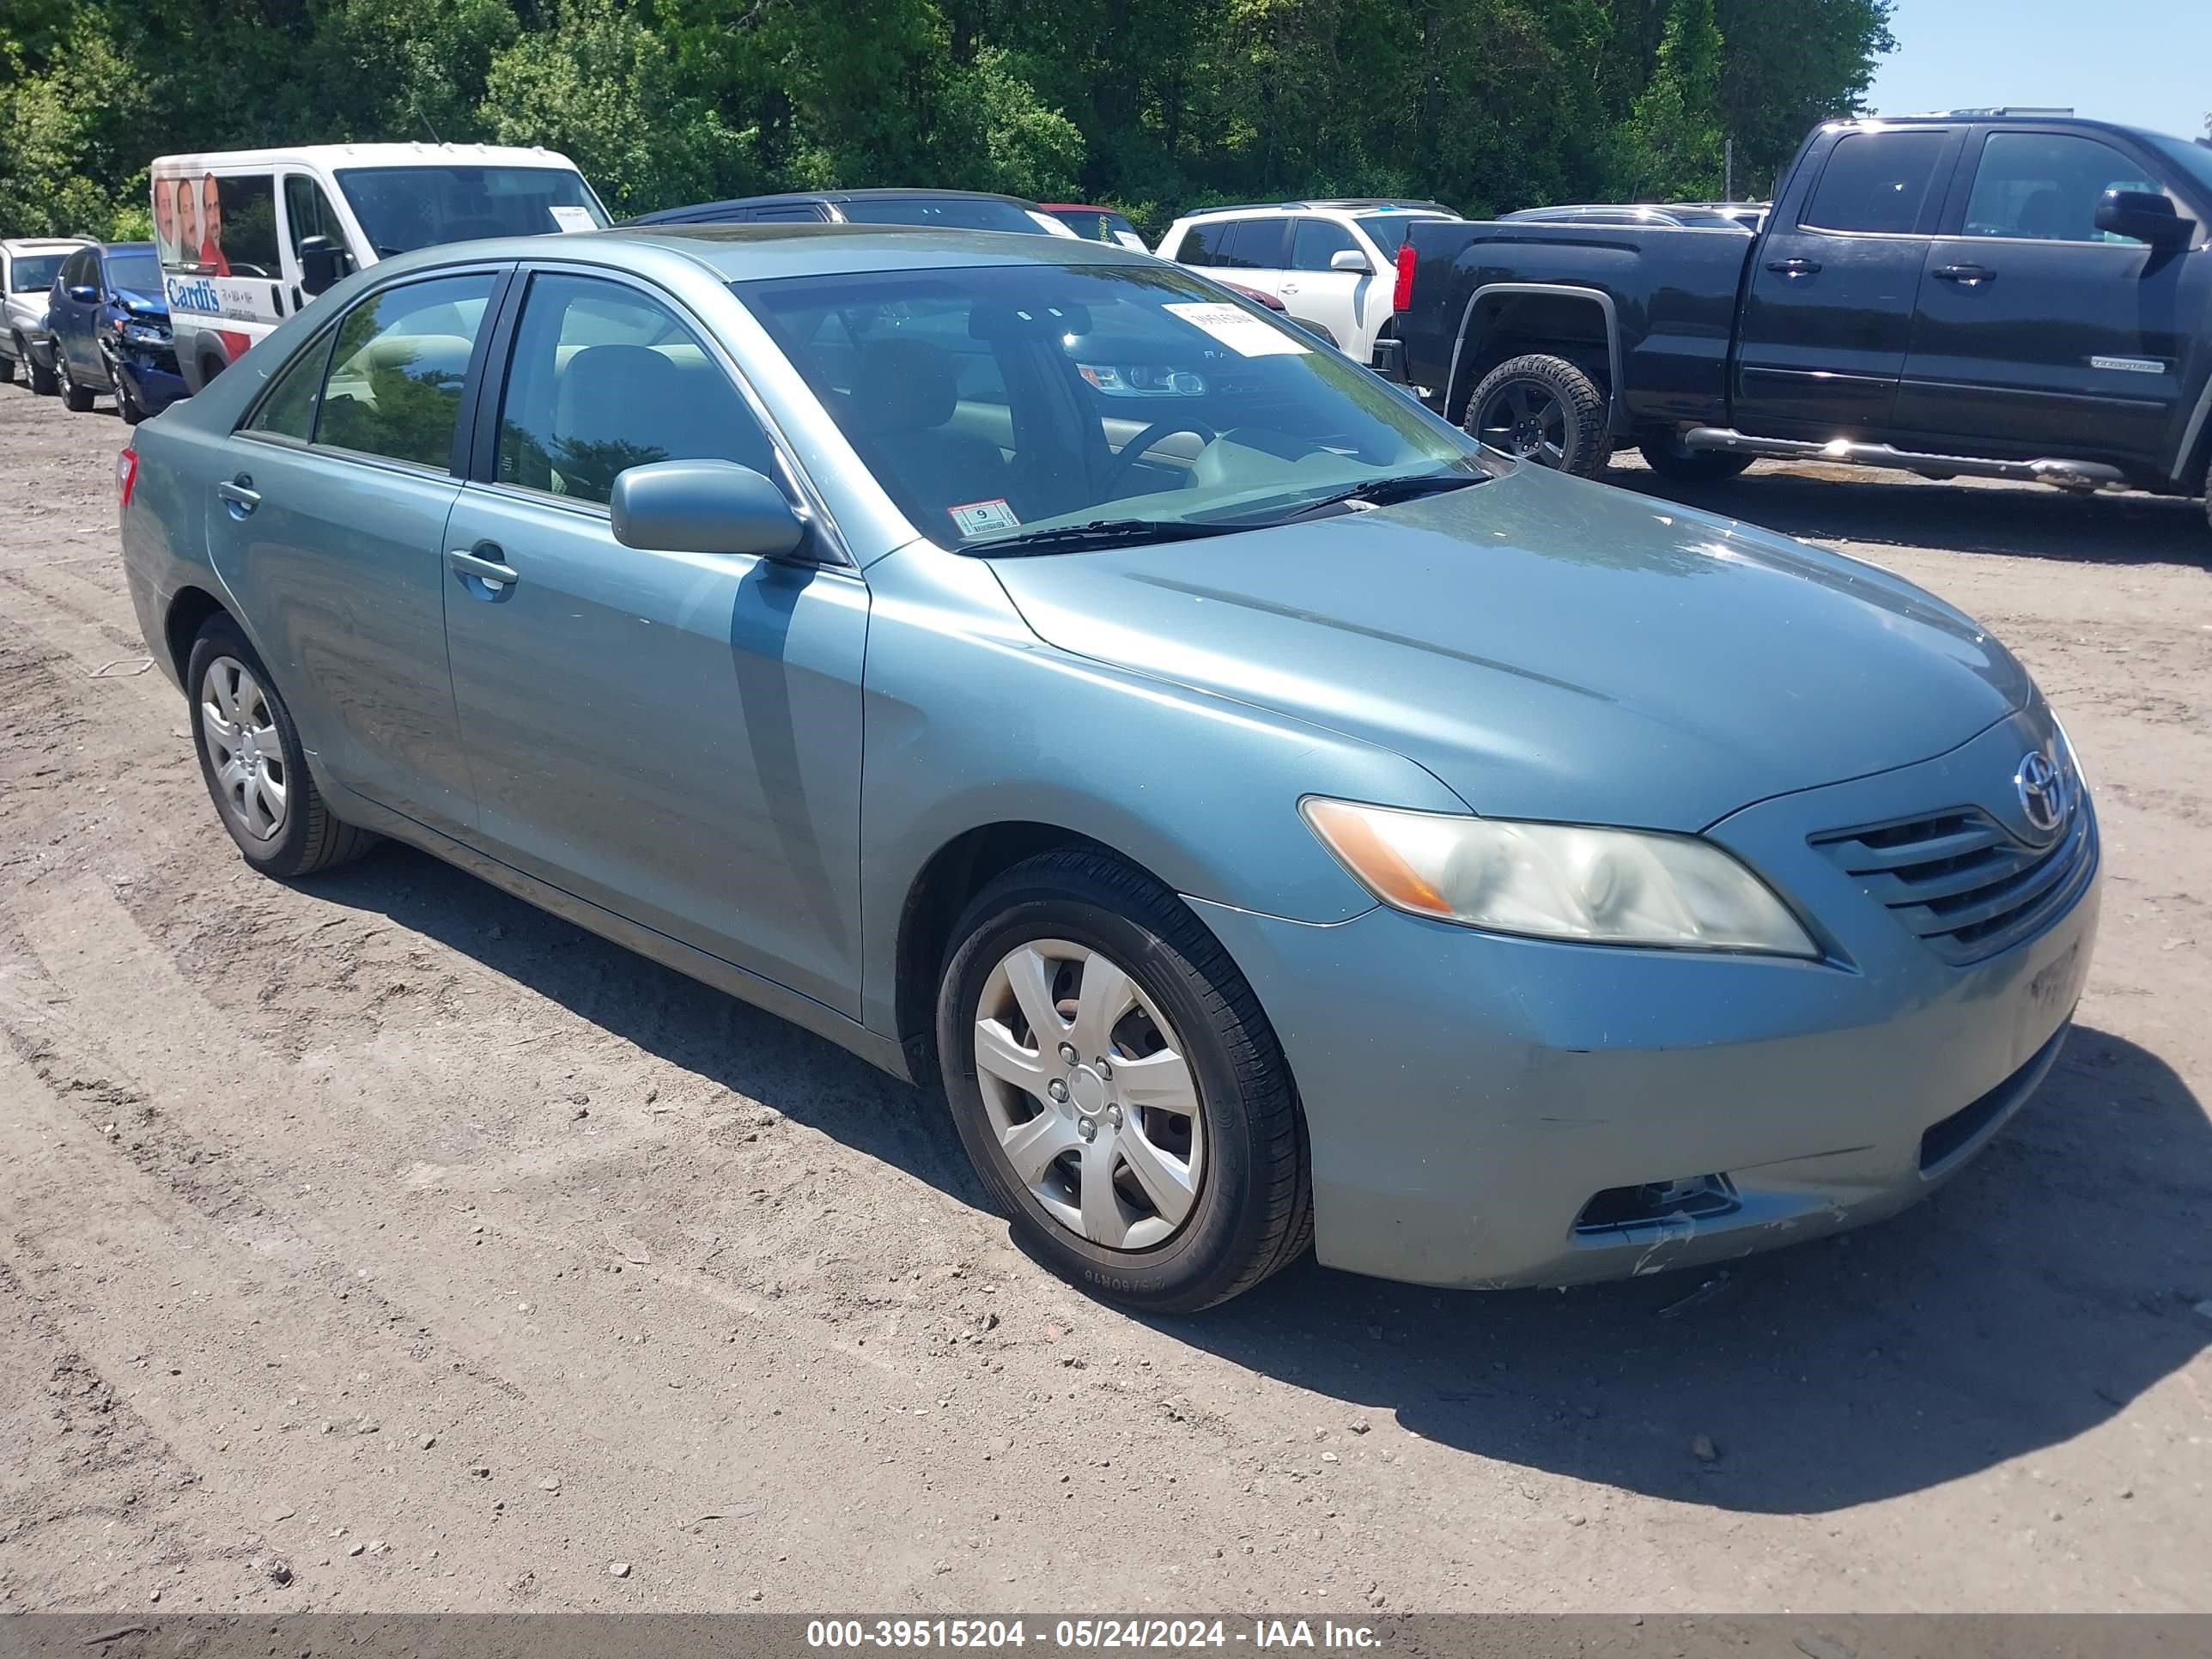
x=1242, y=333
x=981, y=518
x=571, y=218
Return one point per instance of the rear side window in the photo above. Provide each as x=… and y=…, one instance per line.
x=289, y=410
x=219, y=227
x=394, y=387
x=1233, y=243
x=1876, y=181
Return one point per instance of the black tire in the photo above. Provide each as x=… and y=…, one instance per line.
x=7, y=365
x=1253, y=1213
x=75, y=397
x=1576, y=441
x=1669, y=459
x=310, y=839
x=43, y=384
x=126, y=400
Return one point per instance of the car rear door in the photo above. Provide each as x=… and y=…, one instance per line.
x=1828, y=305
x=328, y=522
x=2036, y=333
x=672, y=737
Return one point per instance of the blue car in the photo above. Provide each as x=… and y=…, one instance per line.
x=108, y=323
x=1268, y=815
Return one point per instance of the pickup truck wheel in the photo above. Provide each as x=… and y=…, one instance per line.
x=1675, y=463
x=1542, y=408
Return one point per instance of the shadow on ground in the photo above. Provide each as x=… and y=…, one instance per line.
x=2031, y=1300
x=2027, y=520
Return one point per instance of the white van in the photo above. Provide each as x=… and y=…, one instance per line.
x=248, y=236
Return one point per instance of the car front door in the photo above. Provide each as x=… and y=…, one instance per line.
x=673, y=736
x=1316, y=294
x=2036, y=332
x=1829, y=305
x=329, y=523
x=69, y=319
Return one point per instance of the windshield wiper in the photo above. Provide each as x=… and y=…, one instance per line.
x=1382, y=492
x=1105, y=533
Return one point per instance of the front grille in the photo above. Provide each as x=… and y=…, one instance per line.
x=1962, y=881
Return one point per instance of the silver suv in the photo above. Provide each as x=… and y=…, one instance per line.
x=28, y=265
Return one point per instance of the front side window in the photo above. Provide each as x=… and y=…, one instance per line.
x=994, y=402
x=1877, y=182
x=1316, y=240
x=78, y=272
x=309, y=212
x=604, y=379
x=33, y=273
x=401, y=209
x=397, y=370
x=2046, y=186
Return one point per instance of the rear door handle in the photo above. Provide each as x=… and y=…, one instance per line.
x=491, y=572
x=1966, y=276
x=240, y=494
x=1794, y=267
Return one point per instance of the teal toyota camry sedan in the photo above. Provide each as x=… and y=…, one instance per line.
x=1273, y=818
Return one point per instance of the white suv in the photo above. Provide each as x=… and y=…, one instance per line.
x=27, y=266
x=1332, y=264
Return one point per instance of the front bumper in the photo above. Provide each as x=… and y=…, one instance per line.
x=1468, y=1097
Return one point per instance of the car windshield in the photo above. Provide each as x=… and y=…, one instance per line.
x=139, y=272
x=996, y=402
x=401, y=209
x=2193, y=159
x=33, y=273
x=962, y=212
x=1387, y=230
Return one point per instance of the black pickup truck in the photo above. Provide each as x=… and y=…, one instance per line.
x=2022, y=295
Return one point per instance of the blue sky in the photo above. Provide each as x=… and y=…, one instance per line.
x=2147, y=63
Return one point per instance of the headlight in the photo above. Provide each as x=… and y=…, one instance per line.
x=1557, y=881
x=145, y=334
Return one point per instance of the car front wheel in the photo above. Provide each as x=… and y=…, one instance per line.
x=43, y=384
x=254, y=764
x=74, y=397
x=1118, y=1088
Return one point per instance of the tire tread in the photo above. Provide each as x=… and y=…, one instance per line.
x=1589, y=448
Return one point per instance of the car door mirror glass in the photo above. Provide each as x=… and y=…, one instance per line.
x=2144, y=215
x=703, y=507
x=1352, y=259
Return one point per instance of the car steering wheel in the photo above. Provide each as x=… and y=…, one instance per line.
x=1134, y=450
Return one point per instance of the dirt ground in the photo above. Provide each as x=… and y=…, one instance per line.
x=382, y=1243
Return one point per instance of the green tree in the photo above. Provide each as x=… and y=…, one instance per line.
x=1671, y=145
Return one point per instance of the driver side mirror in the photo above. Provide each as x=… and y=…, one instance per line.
x=1352, y=259
x=322, y=263
x=83, y=293
x=703, y=507
x=2144, y=215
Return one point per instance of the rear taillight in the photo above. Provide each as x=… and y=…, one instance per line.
x=1402, y=296
x=127, y=477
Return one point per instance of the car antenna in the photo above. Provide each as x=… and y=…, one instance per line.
x=415, y=103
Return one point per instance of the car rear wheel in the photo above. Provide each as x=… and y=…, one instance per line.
x=1118, y=1088
x=74, y=397
x=256, y=769
x=1542, y=408
x=43, y=384
x=1672, y=460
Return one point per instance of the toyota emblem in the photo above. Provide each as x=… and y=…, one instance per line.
x=2042, y=792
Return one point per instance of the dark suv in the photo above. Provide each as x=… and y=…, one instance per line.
x=962, y=210
x=109, y=320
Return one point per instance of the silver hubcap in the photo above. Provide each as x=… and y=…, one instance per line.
x=1088, y=1093
x=243, y=750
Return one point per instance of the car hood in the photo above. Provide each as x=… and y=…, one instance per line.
x=141, y=304
x=1550, y=648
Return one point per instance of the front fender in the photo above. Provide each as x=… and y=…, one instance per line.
x=972, y=721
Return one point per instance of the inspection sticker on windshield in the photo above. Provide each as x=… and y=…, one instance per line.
x=981, y=518
x=571, y=218
x=1242, y=332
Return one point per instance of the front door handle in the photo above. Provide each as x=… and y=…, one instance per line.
x=1290, y=287
x=1794, y=267
x=238, y=495
x=1966, y=276
x=490, y=571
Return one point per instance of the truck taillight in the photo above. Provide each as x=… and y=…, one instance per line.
x=1402, y=296
x=127, y=477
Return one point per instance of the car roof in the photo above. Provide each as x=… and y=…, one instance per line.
x=43, y=244
x=106, y=248
x=365, y=156
x=738, y=253
x=1337, y=204
x=882, y=193
x=2002, y=117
